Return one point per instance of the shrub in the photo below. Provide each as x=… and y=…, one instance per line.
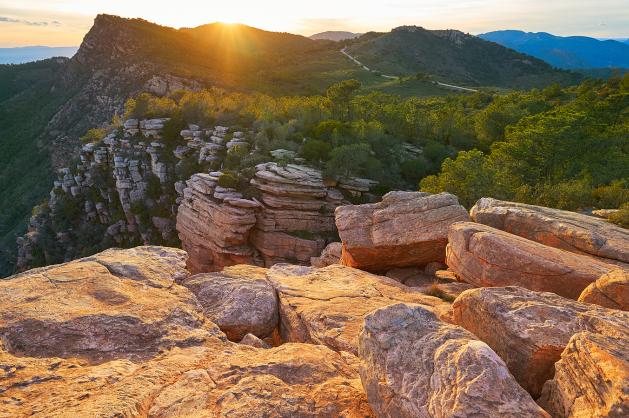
x=316, y=150
x=228, y=181
x=94, y=135
x=621, y=217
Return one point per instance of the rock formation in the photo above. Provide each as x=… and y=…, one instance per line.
x=239, y=300
x=98, y=309
x=327, y=306
x=591, y=379
x=117, y=335
x=405, y=229
x=290, y=220
x=413, y=365
x=530, y=330
x=331, y=254
x=485, y=256
x=610, y=291
x=556, y=228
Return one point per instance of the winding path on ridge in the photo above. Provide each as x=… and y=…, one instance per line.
x=392, y=77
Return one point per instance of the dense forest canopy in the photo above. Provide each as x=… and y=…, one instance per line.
x=559, y=147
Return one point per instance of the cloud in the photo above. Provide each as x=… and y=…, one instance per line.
x=4, y=19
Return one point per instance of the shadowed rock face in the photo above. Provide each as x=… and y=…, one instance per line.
x=485, y=256
x=239, y=300
x=591, y=379
x=568, y=231
x=610, y=291
x=405, y=229
x=529, y=330
x=327, y=306
x=413, y=365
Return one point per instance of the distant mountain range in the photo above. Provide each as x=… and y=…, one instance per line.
x=571, y=52
x=454, y=56
x=335, y=36
x=24, y=54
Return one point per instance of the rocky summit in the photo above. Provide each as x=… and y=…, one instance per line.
x=417, y=313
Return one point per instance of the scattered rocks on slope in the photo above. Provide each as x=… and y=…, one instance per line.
x=405, y=229
x=485, y=256
x=556, y=228
x=239, y=300
x=331, y=254
x=591, y=379
x=327, y=306
x=101, y=310
x=529, y=330
x=610, y=291
x=414, y=365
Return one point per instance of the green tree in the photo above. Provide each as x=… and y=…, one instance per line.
x=316, y=150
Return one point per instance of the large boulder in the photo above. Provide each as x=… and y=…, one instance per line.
x=485, y=256
x=414, y=365
x=404, y=229
x=102, y=310
x=610, y=291
x=327, y=306
x=239, y=300
x=529, y=330
x=591, y=379
x=556, y=228
x=217, y=379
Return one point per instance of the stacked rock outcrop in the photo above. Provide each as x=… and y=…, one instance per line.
x=290, y=219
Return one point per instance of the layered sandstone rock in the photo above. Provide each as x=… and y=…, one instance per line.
x=413, y=365
x=610, y=291
x=405, y=229
x=327, y=306
x=214, y=230
x=118, y=304
x=292, y=220
x=485, y=256
x=529, y=330
x=239, y=300
x=210, y=380
x=331, y=254
x=116, y=335
x=591, y=379
x=556, y=228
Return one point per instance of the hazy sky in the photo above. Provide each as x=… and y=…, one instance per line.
x=65, y=22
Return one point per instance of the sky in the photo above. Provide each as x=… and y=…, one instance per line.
x=65, y=22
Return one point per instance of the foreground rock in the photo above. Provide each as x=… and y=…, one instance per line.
x=610, y=291
x=239, y=300
x=485, y=256
x=556, y=228
x=327, y=306
x=413, y=365
x=217, y=379
x=530, y=330
x=591, y=379
x=405, y=229
x=116, y=335
x=110, y=306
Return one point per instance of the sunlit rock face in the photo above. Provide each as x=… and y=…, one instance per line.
x=529, y=330
x=485, y=256
x=610, y=291
x=414, y=365
x=405, y=229
x=562, y=229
